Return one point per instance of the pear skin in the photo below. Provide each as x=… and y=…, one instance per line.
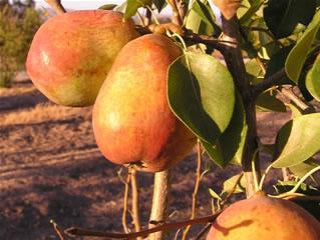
x=132, y=121
x=72, y=53
x=265, y=218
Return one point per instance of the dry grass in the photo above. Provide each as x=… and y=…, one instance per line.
x=42, y=113
x=9, y=92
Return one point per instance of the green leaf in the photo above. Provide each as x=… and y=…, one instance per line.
x=201, y=94
x=121, y=8
x=253, y=68
x=303, y=168
x=229, y=184
x=285, y=186
x=298, y=140
x=303, y=88
x=204, y=12
x=282, y=16
x=277, y=62
x=254, y=72
x=255, y=6
x=299, y=53
x=213, y=194
x=193, y=21
x=205, y=29
x=133, y=5
x=108, y=6
x=312, y=207
x=201, y=19
x=313, y=80
x=160, y=4
x=295, y=111
x=229, y=147
x=269, y=103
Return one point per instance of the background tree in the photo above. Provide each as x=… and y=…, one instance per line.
x=18, y=23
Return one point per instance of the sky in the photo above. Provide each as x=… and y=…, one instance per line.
x=78, y=5
x=94, y=4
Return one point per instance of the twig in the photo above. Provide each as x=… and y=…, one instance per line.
x=277, y=78
x=264, y=175
x=288, y=92
x=176, y=18
x=296, y=187
x=203, y=231
x=273, y=80
x=285, y=174
x=125, y=202
x=177, y=234
x=218, y=44
x=135, y=201
x=182, y=9
x=293, y=191
x=57, y=230
x=226, y=199
x=259, y=29
x=166, y=226
x=196, y=189
x=266, y=31
x=56, y=6
x=148, y=17
x=141, y=19
x=159, y=201
x=261, y=64
x=298, y=197
x=198, y=180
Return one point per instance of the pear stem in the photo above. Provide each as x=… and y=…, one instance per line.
x=159, y=202
x=135, y=201
x=56, y=6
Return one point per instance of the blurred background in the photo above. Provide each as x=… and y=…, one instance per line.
x=19, y=20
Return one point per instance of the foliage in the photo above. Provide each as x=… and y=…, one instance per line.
x=272, y=64
x=18, y=24
x=277, y=38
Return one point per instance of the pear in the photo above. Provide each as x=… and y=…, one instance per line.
x=265, y=218
x=132, y=121
x=72, y=53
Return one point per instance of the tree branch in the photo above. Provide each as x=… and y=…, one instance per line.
x=176, y=18
x=277, y=78
x=159, y=201
x=288, y=92
x=72, y=232
x=193, y=38
x=235, y=64
x=274, y=80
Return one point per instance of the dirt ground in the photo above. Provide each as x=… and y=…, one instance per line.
x=50, y=168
